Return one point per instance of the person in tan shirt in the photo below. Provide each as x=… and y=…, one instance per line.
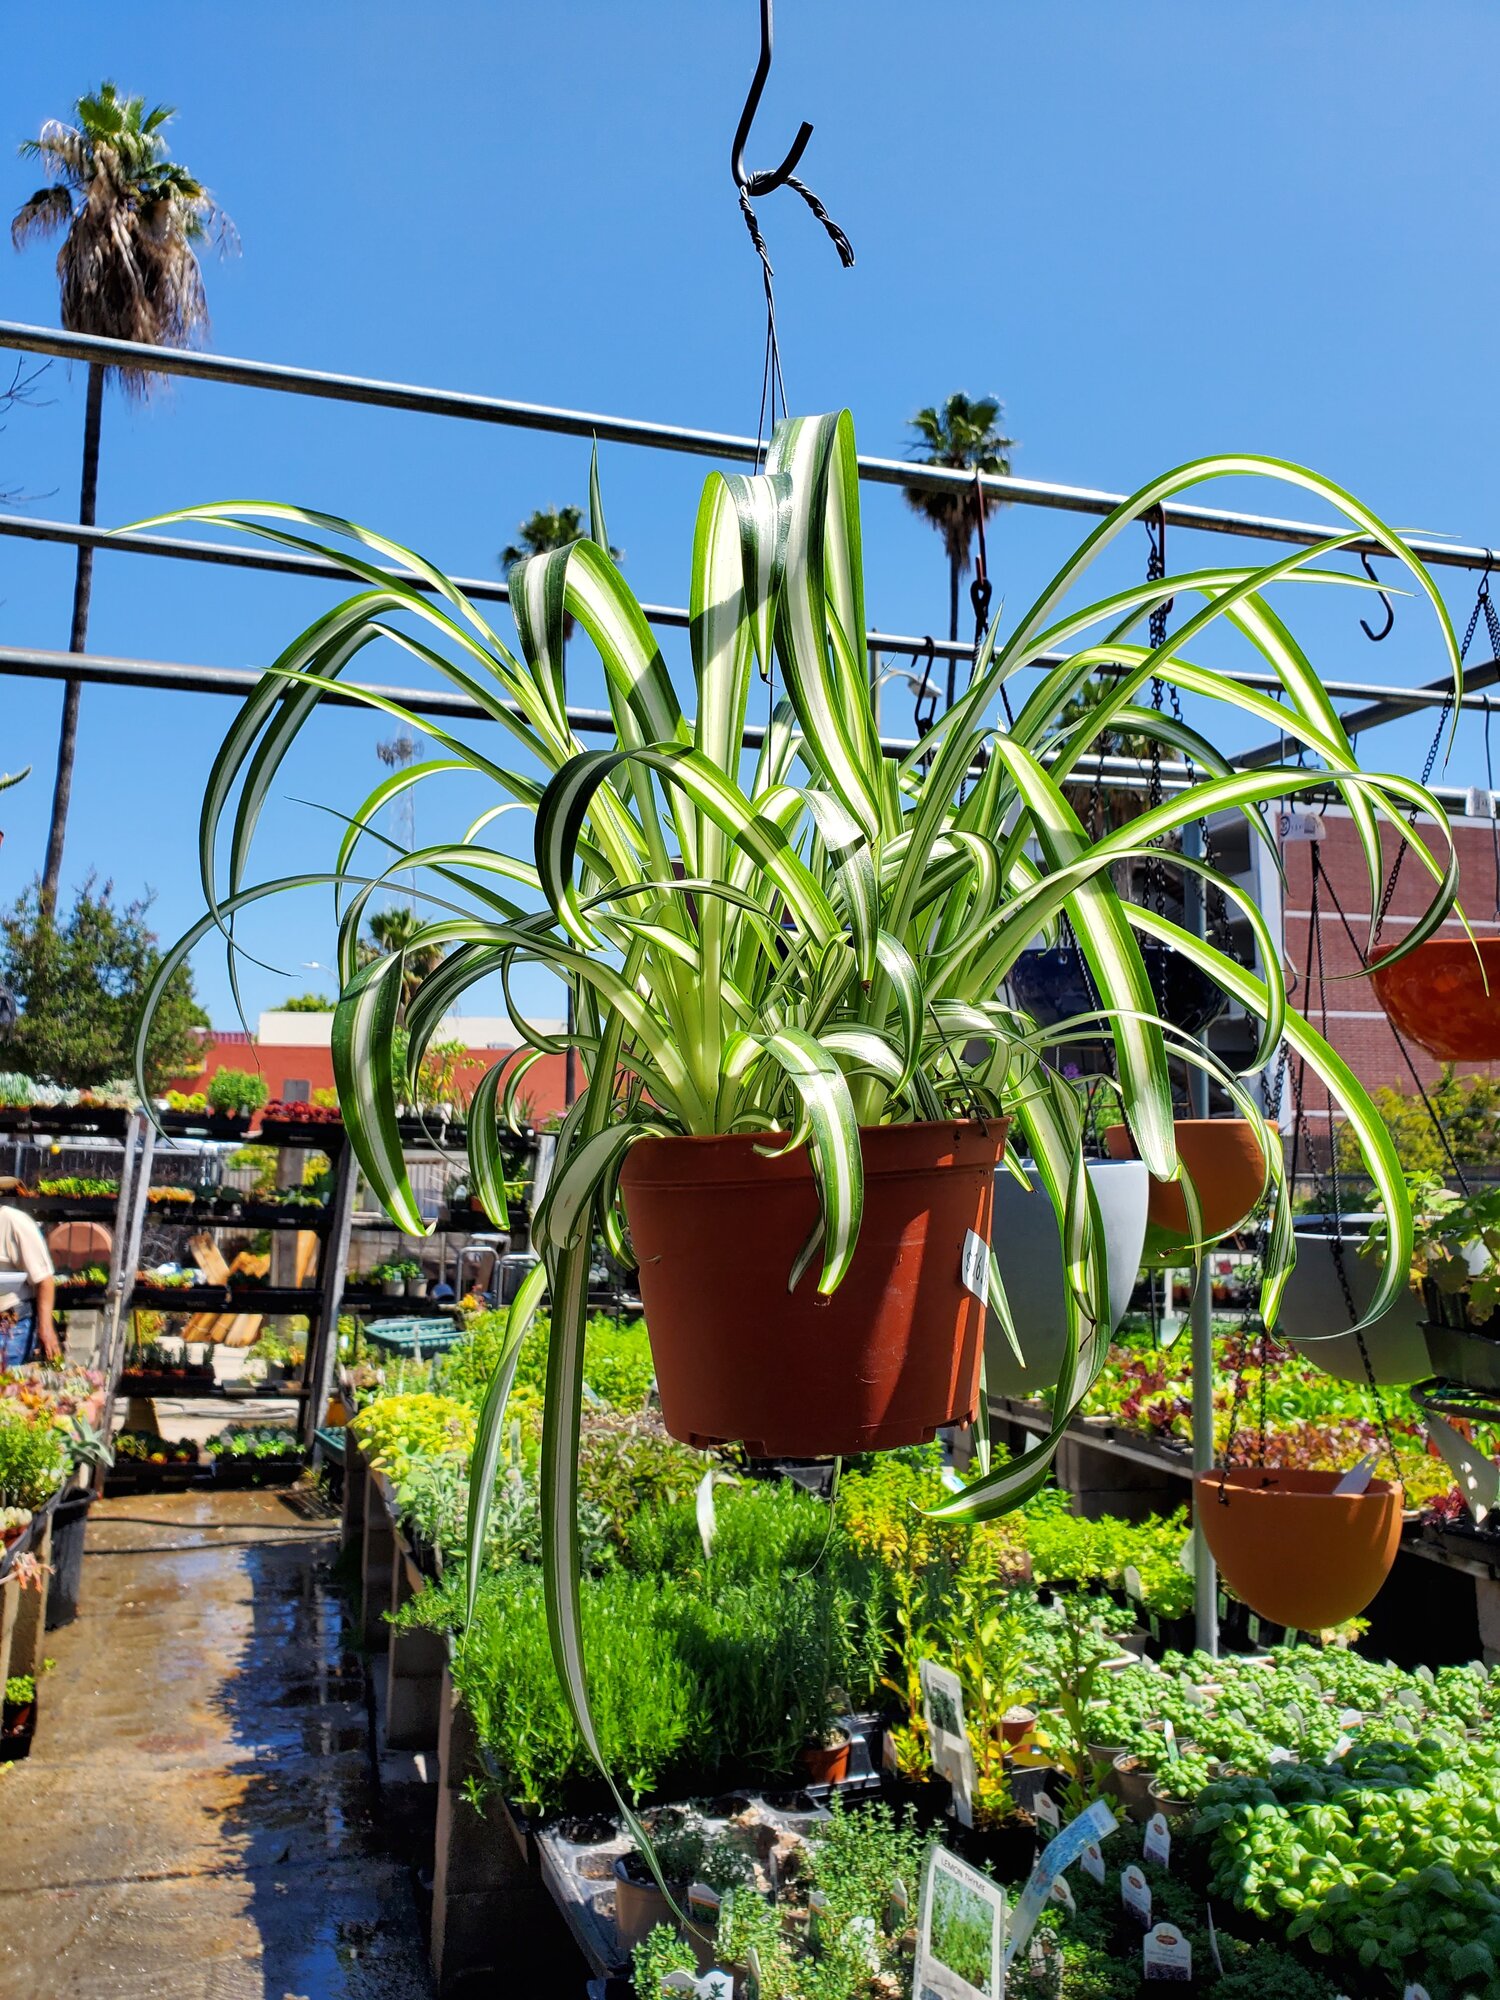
x=27, y=1290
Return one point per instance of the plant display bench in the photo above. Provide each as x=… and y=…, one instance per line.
x=23, y=1614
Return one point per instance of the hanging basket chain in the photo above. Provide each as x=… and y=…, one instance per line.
x=1237, y=1401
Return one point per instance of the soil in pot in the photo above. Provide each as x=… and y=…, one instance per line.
x=1017, y=1723
x=1132, y=1781
x=1445, y=996
x=1292, y=1548
x=1228, y=1169
x=887, y=1360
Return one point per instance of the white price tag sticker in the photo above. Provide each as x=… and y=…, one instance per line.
x=1299, y=826
x=975, y=1269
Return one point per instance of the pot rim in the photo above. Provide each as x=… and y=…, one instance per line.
x=1240, y=1477
x=920, y=1146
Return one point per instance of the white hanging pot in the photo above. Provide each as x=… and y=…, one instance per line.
x=1028, y=1249
x=1315, y=1313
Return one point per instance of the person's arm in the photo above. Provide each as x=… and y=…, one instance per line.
x=46, y=1293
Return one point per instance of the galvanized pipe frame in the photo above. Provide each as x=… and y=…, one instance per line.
x=104, y=670
x=475, y=408
x=1385, y=704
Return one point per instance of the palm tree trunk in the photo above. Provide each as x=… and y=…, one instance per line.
x=83, y=586
x=953, y=580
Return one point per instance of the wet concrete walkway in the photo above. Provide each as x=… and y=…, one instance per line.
x=199, y=1817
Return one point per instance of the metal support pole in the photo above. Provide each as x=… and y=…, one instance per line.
x=135, y=1175
x=322, y=1354
x=1205, y=1574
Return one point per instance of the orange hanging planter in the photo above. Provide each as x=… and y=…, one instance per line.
x=1437, y=997
x=1297, y=1552
x=891, y=1356
x=1228, y=1168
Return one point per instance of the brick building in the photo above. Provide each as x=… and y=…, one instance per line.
x=292, y=1051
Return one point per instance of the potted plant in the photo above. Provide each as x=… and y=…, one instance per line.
x=18, y=1720
x=800, y=1072
x=414, y=1278
x=678, y=1842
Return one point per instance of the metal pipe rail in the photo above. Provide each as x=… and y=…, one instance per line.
x=108, y=670
x=1386, y=704
x=473, y=408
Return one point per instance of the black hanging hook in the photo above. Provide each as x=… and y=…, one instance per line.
x=764, y=183
x=1390, y=609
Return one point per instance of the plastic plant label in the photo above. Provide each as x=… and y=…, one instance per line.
x=889, y=1759
x=1062, y=1892
x=1350, y=1718
x=753, y=1984
x=1135, y=1590
x=1358, y=1477
x=1280, y=1755
x=943, y=1712
x=707, y=1522
x=715, y=1985
x=898, y=1905
x=1223, y=1605
x=1157, y=1846
x=1135, y=1894
x=1171, y=1739
x=1252, y=1626
x=1299, y=826
x=1092, y=1824
x=1410, y=1698
x=1046, y=1964
x=1167, y=1954
x=960, y=1932
x=1295, y=1716
x=975, y=1268
x=1046, y=1811
x=1092, y=1858
x=1422, y=1672
x=679, y=1982
x=1416, y=1993
x=1213, y=1940
x=1187, y=1557
x=1310, y=1681
x=1344, y=1745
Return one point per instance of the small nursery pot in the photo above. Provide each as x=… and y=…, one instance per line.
x=893, y=1355
x=1132, y=1782
x=1228, y=1170
x=1166, y=1803
x=826, y=1764
x=1445, y=996
x=1292, y=1548
x=639, y=1908
x=393, y=1288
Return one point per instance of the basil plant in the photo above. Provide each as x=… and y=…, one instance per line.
x=817, y=937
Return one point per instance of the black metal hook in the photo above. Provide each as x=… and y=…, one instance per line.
x=1390, y=609
x=763, y=183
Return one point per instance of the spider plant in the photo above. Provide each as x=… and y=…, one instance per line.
x=817, y=938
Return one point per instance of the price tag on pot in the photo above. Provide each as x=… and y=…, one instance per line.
x=1358, y=1477
x=1157, y=1846
x=975, y=1268
x=960, y=1932
x=1299, y=825
x=1092, y=1824
x=1093, y=1861
x=1135, y=1893
x=1479, y=803
x=1167, y=1954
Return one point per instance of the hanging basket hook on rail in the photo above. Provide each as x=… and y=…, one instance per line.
x=1390, y=609
x=785, y=175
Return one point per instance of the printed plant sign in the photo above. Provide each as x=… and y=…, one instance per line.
x=952, y=1755
x=962, y=1933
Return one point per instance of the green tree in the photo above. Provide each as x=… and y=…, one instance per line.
x=963, y=433
x=80, y=984
x=128, y=269
x=307, y=1003
x=1468, y=1110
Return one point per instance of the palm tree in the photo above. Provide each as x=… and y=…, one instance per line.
x=963, y=433
x=547, y=529
x=128, y=269
x=391, y=931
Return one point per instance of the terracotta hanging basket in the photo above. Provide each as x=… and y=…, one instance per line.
x=1224, y=1157
x=1297, y=1552
x=891, y=1356
x=1437, y=997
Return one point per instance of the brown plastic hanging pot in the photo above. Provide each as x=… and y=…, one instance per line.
x=1228, y=1168
x=1437, y=997
x=1297, y=1552
x=717, y=1225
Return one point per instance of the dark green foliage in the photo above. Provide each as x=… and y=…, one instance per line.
x=81, y=980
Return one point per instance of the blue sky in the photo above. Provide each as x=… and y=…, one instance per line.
x=1156, y=232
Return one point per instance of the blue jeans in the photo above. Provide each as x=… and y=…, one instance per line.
x=17, y=1338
